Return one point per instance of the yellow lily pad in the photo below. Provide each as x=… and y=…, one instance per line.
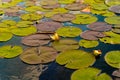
x=5, y=36
x=46, y=2
x=99, y=6
x=24, y=23
x=113, y=20
x=9, y=22
x=66, y=1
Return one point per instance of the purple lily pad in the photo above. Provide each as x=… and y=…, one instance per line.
x=51, y=6
x=36, y=39
x=115, y=8
x=100, y=26
x=116, y=73
x=49, y=26
x=91, y=35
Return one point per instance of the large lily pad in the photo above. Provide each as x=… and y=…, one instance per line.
x=91, y=35
x=75, y=59
x=100, y=26
x=89, y=74
x=69, y=31
x=112, y=58
x=88, y=43
x=9, y=51
x=65, y=1
x=36, y=39
x=113, y=20
x=115, y=8
x=65, y=44
x=112, y=2
x=38, y=55
x=84, y=19
x=5, y=36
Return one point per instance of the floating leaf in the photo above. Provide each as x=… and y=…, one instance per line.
x=89, y=2
x=112, y=58
x=24, y=24
x=5, y=36
x=65, y=44
x=68, y=31
x=116, y=30
x=116, y=73
x=89, y=74
x=100, y=26
x=115, y=8
x=9, y=51
x=37, y=55
x=65, y=1
x=75, y=59
x=113, y=20
x=84, y=19
x=3, y=25
x=36, y=39
x=88, y=44
x=112, y=2
x=9, y=22
x=46, y=2
x=116, y=26
x=99, y=6
x=51, y=6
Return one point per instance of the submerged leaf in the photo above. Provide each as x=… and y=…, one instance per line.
x=5, y=36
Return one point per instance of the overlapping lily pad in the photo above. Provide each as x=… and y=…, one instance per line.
x=75, y=59
x=100, y=26
x=116, y=28
x=113, y=20
x=36, y=39
x=91, y=35
x=9, y=51
x=116, y=73
x=112, y=58
x=88, y=43
x=65, y=44
x=38, y=55
x=115, y=8
x=5, y=36
x=24, y=23
x=100, y=6
x=84, y=19
x=65, y=1
x=89, y=74
x=69, y=31
x=112, y=2
x=46, y=2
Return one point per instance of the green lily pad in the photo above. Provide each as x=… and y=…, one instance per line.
x=112, y=2
x=24, y=23
x=89, y=2
x=116, y=30
x=99, y=1
x=99, y=6
x=113, y=20
x=112, y=58
x=5, y=36
x=69, y=31
x=24, y=31
x=65, y=1
x=9, y=51
x=117, y=26
x=65, y=44
x=3, y=25
x=75, y=59
x=88, y=43
x=46, y=2
x=84, y=19
x=89, y=74
x=38, y=55
x=9, y=22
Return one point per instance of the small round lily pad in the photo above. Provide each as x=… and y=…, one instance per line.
x=65, y=44
x=38, y=55
x=68, y=31
x=65, y=1
x=88, y=43
x=36, y=39
x=75, y=59
x=112, y=58
x=115, y=8
x=63, y=17
x=9, y=51
x=5, y=36
x=113, y=20
x=100, y=26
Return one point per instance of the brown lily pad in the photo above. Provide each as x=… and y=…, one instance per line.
x=75, y=6
x=116, y=73
x=100, y=26
x=49, y=26
x=36, y=39
x=51, y=6
x=115, y=8
x=91, y=35
x=38, y=55
x=63, y=17
x=12, y=14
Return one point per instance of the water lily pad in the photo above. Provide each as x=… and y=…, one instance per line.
x=91, y=35
x=9, y=51
x=65, y=1
x=99, y=6
x=100, y=26
x=69, y=31
x=65, y=44
x=46, y=2
x=116, y=30
x=24, y=31
x=36, y=39
x=91, y=73
x=63, y=17
x=49, y=6
x=75, y=59
x=116, y=73
x=116, y=26
x=38, y=55
x=112, y=2
x=9, y=22
x=112, y=58
x=88, y=43
x=5, y=36
x=24, y=23
x=113, y=20
x=84, y=19
x=115, y=8
x=49, y=26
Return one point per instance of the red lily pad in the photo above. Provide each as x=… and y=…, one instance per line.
x=100, y=26
x=115, y=8
x=91, y=35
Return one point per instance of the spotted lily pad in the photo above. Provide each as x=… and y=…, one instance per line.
x=68, y=31
x=65, y=44
x=75, y=59
x=112, y=2
x=5, y=36
x=38, y=55
x=113, y=20
x=91, y=73
x=9, y=51
x=65, y=1
x=116, y=73
x=36, y=39
x=100, y=26
x=91, y=35
x=112, y=58
x=115, y=8
x=88, y=43
x=84, y=19
x=24, y=23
